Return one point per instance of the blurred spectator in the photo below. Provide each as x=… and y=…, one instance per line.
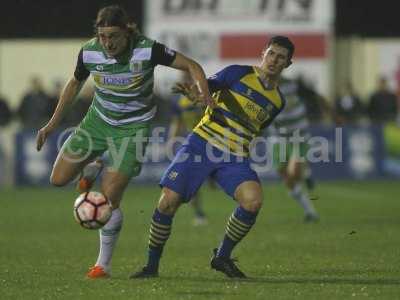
x=348, y=105
x=5, y=112
x=311, y=100
x=79, y=108
x=35, y=108
x=382, y=105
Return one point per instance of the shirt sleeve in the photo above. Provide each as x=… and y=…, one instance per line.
x=81, y=73
x=225, y=78
x=162, y=55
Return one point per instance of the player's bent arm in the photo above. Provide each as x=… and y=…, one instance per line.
x=184, y=63
x=190, y=91
x=67, y=97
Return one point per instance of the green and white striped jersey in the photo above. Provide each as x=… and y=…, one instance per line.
x=294, y=115
x=124, y=85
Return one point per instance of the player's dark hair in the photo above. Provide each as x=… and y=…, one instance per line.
x=114, y=15
x=284, y=42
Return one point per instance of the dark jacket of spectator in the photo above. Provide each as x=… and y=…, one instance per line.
x=348, y=105
x=35, y=108
x=382, y=105
x=5, y=112
x=311, y=100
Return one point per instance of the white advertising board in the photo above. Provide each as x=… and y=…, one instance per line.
x=221, y=32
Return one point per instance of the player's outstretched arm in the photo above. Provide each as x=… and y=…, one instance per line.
x=190, y=91
x=184, y=63
x=67, y=97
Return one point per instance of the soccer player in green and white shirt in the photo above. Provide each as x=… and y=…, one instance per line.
x=122, y=63
x=291, y=161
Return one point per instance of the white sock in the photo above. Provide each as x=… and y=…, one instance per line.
x=108, y=239
x=303, y=199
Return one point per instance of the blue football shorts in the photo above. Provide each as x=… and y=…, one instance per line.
x=194, y=162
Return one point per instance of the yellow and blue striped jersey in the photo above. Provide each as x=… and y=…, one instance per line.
x=188, y=112
x=244, y=107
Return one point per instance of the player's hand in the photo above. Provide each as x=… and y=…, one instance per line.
x=192, y=93
x=41, y=137
x=208, y=100
x=189, y=90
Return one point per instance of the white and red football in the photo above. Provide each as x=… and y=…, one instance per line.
x=92, y=210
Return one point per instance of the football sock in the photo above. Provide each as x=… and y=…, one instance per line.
x=303, y=199
x=239, y=224
x=160, y=230
x=308, y=178
x=307, y=171
x=108, y=239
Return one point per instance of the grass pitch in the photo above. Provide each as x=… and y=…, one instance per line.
x=352, y=253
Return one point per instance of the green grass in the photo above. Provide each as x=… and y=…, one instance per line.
x=354, y=252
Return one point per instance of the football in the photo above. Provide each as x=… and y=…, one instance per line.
x=92, y=210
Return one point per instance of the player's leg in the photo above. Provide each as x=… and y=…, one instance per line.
x=66, y=168
x=242, y=183
x=178, y=186
x=197, y=203
x=113, y=186
x=249, y=197
x=290, y=175
x=160, y=230
x=122, y=167
x=89, y=174
x=77, y=151
x=309, y=178
x=293, y=176
x=81, y=147
x=199, y=215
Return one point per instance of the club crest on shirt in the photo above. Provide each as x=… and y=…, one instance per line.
x=249, y=92
x=172, y=175
x=263, y=116
x=136, y=66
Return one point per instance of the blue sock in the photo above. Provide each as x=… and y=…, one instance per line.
x=160, y=230
x=239, y=224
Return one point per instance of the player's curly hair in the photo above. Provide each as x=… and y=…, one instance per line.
x=115, y=15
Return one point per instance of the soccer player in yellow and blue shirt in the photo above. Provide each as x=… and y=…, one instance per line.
x=247, y=99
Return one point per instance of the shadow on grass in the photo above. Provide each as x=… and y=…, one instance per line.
x=289, y=280
x=330, y=280
x=202, y=293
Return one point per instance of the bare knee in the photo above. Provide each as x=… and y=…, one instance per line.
x=289, y=177
x=65, y=169
x=58, y=180
x=252, y=203
x=290, y=180
x=249, y=196
x=294, y=171
x=169, y=202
